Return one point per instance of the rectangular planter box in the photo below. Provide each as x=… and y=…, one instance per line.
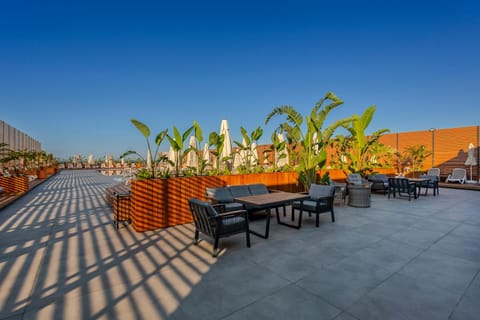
x=161, y=203
x=14, y=184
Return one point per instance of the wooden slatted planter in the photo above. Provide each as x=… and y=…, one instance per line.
x=14, y=184
x=161, y=203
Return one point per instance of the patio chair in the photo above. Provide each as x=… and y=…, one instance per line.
x=359, y=191
x=320, y=201
x=379, y=182
x=434, y=175
x=215, y=224
x=433, y=172
x=403, y=187
x=458, y=175
x=355, y=179
x=340, y=189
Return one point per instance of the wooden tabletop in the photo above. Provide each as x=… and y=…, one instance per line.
x=269, y=199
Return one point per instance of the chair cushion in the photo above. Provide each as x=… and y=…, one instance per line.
x=355, y=178
x=378, y=178
x=232, y=206
x=240, y=191
x=259, y=188
x=221, y=194
x=318, y=191
x=308, y=205
x=433, y=172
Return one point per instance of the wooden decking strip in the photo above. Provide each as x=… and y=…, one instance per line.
x=465, y=186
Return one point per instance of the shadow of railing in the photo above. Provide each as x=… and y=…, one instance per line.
x=62, y=256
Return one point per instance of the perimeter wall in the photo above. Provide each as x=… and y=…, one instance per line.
x=449, y=147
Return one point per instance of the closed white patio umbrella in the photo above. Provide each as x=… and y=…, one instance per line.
x=227, y=143
x=253, y=154
x=91, y=161
x=281, y=157
x=149, y=159
x=206, y=154
x=471, y=161
x=172, y=156
x=192, y=156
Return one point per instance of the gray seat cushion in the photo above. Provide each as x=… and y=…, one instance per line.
x=222, y=194
x=259, y=188
x=233, y=206
x=378, y=178
x=240, y=191
x=355, y=178
x=319, y=191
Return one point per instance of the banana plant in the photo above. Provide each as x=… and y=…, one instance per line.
x=415, y=155
x=177, y=142
x=276, y=151
x=145, y=131
x=216, y=140
x=360, y=152
x=309, y=148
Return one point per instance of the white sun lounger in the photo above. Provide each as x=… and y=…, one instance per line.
x=457, y=175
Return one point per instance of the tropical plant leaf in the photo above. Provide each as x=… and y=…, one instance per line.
x=160, y=137
x=143, y=128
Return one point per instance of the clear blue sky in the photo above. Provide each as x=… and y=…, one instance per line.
x=72, y=73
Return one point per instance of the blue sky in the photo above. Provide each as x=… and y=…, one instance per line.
x=73, y=73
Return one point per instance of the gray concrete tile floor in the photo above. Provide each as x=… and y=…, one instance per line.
x=62, y=258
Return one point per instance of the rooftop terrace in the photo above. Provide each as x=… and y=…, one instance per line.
x=62, y=258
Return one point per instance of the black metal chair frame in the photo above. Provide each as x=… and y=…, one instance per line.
x=433, y=184
x=222, y=224
x=322, y=205
x=403, y=187
x=379, y=185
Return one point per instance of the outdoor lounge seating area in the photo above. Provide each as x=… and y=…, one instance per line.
x=392, y=260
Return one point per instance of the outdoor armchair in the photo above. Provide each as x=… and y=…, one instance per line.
x=320, y=201
x=215, y=224
x=355, y=179
x=340, y=189
x=457, y=175
x=379, y=182
x=434, y=175
x=433, y=172
x=359, y=191
x=403, y=187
